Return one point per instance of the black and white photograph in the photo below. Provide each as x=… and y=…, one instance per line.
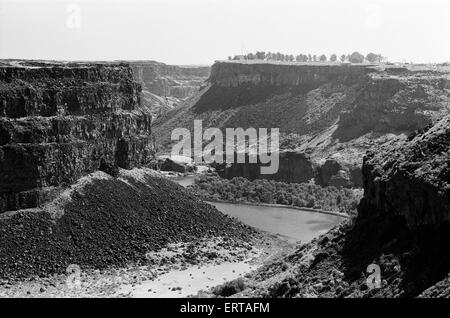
x=224, y=150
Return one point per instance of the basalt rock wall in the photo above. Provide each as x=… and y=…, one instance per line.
x=293, y=167
x=169, y=80
x=403, y=226
x=297, y=167
x=411, y=178
x=59, y=122
x=165, y=87
x=387, y=104
x=232, y=74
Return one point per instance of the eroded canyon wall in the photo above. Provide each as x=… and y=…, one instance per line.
x=60, y=121
x=165, y=87
x=233, y=74
x=332, y=113
x=402, y=226
x=411, y=178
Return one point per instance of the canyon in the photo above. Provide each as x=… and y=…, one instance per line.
x=60, y=121
x=75, y=188
x=165, y=87
x=328, y=114
x=77, y=141
x=402, y=226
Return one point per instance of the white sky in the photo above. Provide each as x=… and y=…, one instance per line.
x=201, y=31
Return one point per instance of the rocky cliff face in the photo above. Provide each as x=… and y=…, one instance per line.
x=405, y=102
x=293, y=167
x=233, y=74
x=403, y=226
x=59, y=122
x=331, y=113
x=411, y=178
x=165, y=87
x=297, y=167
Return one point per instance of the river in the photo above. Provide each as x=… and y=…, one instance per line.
x=293, y=224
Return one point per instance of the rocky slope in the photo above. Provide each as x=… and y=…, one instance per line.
x=403, y=226
x=331, y=113
x=102, y=222
x=165, y=87
x=60, y=121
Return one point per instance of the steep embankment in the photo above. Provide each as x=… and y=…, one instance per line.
x=60, y=123
x=165, y=87
x=403, y=226
x=328, y=113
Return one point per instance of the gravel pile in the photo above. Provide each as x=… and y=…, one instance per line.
x=108, y=222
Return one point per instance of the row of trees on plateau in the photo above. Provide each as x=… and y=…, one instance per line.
x=355, y=57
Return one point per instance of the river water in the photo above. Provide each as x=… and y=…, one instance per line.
x=293, y=224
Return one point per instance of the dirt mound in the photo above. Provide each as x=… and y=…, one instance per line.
x=102, y=221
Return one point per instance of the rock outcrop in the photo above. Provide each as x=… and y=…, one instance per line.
x=335, y=173
x=386, y=103
x=411, y=179
x=168, y=164
x=293, y=167
x=297, y=167
x=60, y=121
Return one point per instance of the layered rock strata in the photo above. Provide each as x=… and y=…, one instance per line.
x=165, y=87
x=60, y=121
x=331, y=113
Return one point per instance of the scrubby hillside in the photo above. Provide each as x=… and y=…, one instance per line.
x=326, y=112
x=102, y=221
x=402, y=225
